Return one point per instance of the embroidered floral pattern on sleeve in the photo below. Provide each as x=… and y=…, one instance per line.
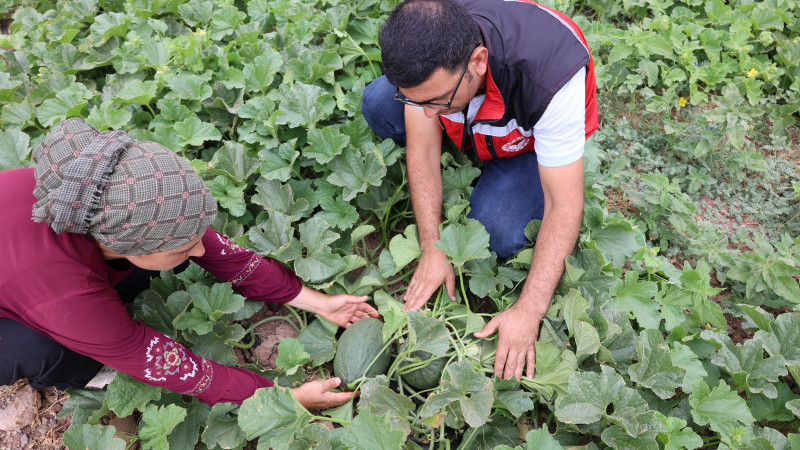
x=169, y=362
x=228, y=247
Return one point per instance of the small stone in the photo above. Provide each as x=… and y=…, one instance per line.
x=19, y=409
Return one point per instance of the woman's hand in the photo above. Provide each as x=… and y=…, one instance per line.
x=341, y=309
x=344, y=309
x=317, y=395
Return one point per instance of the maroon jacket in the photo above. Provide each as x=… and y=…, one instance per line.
x=61, y=286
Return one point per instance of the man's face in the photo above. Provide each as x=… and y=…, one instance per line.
x=443, y=87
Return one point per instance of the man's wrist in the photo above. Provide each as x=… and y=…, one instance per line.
x=531, y=309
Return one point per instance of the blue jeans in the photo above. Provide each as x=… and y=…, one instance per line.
x=508, y=194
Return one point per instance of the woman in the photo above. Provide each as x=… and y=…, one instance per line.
x=105, y=207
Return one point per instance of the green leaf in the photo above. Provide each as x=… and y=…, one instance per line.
x=214, y=345
x=373, y=432
x=233, y=160
x=616, y=241
x=784, y=339
x=677, y=435
x=14, y=149
x=405, y=248
x=618, y=438
x=356, y=171
x=190, y=87
x=655, y=369
x=721, y=408
x=553, y=370
x=472, y=390
x=194, y=132
x=186, y=434
x=637, y=297
x=391, y=310
x=68, y=103
x=125, y=394
x=301, y=104
x=271, y=414
x=84, y=436
x=137, y=92
x=541, y=439
x=379, y=400
x=462, y=243
x=229, y=194
x=274, y=237
x=224, y=22
x=291, y=355
x=81, y=404
x=686, y=359
x=276, y=163
x=159, y=421
x=746, y=363
x=275, y=196
x=222, y=427
x=319, y=341
x=428, y=334
x=516, y=401
x=259, y=75
x=338, y=213
x=104, y=117
x=595, y=396
x=217, y=300
x=325, y=144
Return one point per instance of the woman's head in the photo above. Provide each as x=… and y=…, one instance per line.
x=133, y=197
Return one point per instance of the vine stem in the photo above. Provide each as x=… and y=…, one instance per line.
x=463, y=291
x=332, y=419
x=250, y=330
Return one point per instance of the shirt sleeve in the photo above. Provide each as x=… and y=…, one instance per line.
x=560, y=134
x=96, y=324
x=255, y=277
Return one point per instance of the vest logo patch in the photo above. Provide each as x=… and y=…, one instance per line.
x=516, y=145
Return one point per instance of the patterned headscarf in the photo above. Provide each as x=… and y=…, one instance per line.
x=134, y=197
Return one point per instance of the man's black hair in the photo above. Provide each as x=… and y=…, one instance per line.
x=421, y=36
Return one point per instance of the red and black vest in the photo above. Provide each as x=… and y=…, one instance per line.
x=533, y=52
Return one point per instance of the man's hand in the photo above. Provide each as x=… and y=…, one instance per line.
x=518, y=330
x=432, y=271
x=317, y=395
x=344, y=309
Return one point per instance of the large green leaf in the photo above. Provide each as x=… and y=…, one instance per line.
x=472, y=390
x=273, y=415
x=746, y=364
x=593, y=397
x=379, y=400
x=373, y=432
x=784, y=339
x=14, y=149
x=655, y=369
x=463, y=243
x=159, y=421
x=222, y=427
x=427, y=334
x=125, y=394
x=319, y=340
x=355, y=171
x=232, y=160
x=85, y=436
x=325, y=144
x=275, y=196
x=720, y=407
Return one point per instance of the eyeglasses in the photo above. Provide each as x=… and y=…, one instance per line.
x=435, y=105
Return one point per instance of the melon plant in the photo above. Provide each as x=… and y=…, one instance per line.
x=361, y=352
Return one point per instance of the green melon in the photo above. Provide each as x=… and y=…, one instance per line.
x=357, y=347
x=425, y=377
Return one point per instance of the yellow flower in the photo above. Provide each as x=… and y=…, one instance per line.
x=753, y=72
x=682, y=102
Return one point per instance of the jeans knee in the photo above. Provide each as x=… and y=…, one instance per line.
x=504, y=240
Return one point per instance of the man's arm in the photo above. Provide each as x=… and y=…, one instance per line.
x=423, y=159
x=518, y=326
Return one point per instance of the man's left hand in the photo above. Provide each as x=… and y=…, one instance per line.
x=517, y=330
x=344, y=309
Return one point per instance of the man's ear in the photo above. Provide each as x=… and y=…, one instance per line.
x=480, y=58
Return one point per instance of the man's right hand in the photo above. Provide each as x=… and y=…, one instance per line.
x=432, y=271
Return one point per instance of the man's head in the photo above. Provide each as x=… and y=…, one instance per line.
x=133, y=197
x=421, y=36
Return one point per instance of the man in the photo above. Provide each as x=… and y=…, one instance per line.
x=513, y=83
